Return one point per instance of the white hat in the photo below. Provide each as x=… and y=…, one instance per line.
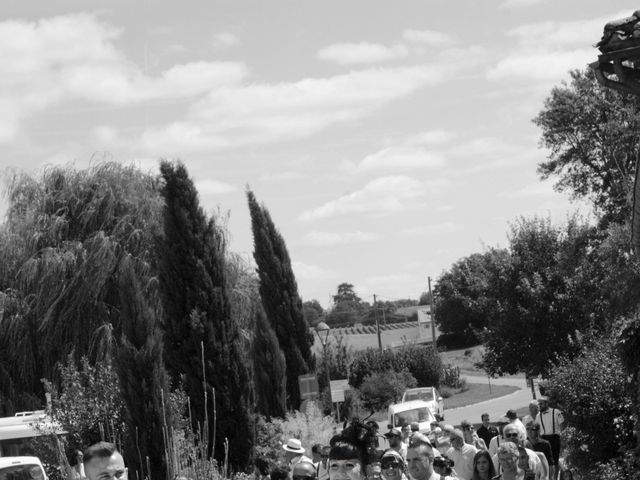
x=293, y=445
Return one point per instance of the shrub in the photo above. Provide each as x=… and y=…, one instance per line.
x=419, y=360
x=591, y=391
x=380, y=389
x=451, y=376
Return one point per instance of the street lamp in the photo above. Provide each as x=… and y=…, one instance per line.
x=322, y=330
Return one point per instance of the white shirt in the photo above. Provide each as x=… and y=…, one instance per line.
x=549, y=419
x=463, y=460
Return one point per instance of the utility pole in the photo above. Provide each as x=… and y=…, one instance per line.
x=375, y=311
x=432, y=314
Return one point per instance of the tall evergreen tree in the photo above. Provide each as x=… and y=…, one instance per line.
x=279, y=293
x=144, y=381
x=269, y=369
x=197, y=311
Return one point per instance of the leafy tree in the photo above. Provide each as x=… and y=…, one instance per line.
x=540, y=300
x=270, y=369
x=591, y=390
x=279, y=293
x=143, y=378
x=348, y=307
x=465, y=295
x=425, y=299
x=593, y=136
x=313, y=312
x=380, y=389
x=60, y=246
x=197, y=314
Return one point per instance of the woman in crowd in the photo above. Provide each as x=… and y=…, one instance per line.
x=351, y=452
x=483, y=468
x=508, y=457
x=393, y=465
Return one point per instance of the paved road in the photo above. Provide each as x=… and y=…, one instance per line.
x=496, y=407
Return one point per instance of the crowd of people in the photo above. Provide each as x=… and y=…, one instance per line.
x=509, y=449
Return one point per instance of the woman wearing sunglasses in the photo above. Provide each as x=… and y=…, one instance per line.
x=351, y=452
x=393, y=465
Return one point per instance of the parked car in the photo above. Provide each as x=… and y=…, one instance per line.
x=21, y=468
x=413, y=411
x=429, y=395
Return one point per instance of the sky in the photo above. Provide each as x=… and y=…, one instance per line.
x=387, y=139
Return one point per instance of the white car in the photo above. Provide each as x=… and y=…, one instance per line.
x=429, y=395
x=408, y=412
x=28, y=468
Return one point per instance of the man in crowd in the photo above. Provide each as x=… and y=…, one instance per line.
x=294, y=452
x=538, y=444
x=394, y=436
x=514, y=420
x=533, y=412
x=487, y=431
x=498, y=439
x=550, y=421
x=420, y=457
x=406, y=433
x=512, y=434
x=392, y=465
x=304, y=471
x=462, y=454
x=102, y=461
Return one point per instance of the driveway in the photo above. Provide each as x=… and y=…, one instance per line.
x=495, y=407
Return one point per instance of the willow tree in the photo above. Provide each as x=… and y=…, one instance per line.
x=195, y=299
x=60, y=245
x=279, y=293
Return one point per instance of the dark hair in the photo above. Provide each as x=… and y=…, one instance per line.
x=316, y=448
x=279, y=473
x=99, y=450
x=356, y=441
x=492, y=470
x=444, y=462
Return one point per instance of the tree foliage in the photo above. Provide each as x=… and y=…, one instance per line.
x=593, y=134
x=279, y=293
x=348, y=308
x=195, y=300
x=380, y=389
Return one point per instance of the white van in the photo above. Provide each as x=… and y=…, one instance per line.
x=17, y=431
x=413, y=411
x=21, y=468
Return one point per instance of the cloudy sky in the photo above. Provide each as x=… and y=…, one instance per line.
x=387, y=139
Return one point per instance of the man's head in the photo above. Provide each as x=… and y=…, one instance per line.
x=392, y=465
x=304, y=471
x=457, y=439
x=395, y=437
x=511, y=415
x=533, y=431
x=533, y=408
x=467, y=430
x=501, y=423
x=102, y=461
x=511, y=434
x=485, y=419
x=406, y=431
x=415, y=427
x=293, y=448
x=420, y=457
x=543, y=404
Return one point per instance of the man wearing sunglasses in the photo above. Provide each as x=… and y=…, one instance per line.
x=392, y=465
x=304, y=471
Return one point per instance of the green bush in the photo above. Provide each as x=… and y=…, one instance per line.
x=380, y=389
x=421, y=361
x=451, y=376
x=591, y=390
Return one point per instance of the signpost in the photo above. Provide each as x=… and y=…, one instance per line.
x=338, y=387
x=308, y=384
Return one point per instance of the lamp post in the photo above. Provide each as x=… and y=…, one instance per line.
x=322, y=330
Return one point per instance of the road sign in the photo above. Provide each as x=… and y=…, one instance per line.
x=338, y=387
x=308, y=384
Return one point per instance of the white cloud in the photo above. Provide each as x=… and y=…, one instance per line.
x=401, y=157
x=264, y=113
x=214, y=187
x=382, y=196
x=541, y=65
x=225, y=39
x=428, y=37
x=363, y=52
x=538, y=189
x=427, y=230
x=281, y=176
x=326, y=239
x=74, y=57
x=304, y=271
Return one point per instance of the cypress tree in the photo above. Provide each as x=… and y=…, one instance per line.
x=143, y=379
x=269, y=369
x=196, y=305
x=279, y=293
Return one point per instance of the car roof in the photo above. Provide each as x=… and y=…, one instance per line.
x=410, y=405
x=418, y=389
x=9, y=461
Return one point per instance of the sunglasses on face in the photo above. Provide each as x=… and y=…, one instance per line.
x=387, y=465
x=303, y=477
x=510, y=435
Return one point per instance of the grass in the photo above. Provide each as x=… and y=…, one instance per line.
x=477, y=392
x=466, y=359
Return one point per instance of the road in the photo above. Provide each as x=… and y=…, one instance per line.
x=496, y=407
